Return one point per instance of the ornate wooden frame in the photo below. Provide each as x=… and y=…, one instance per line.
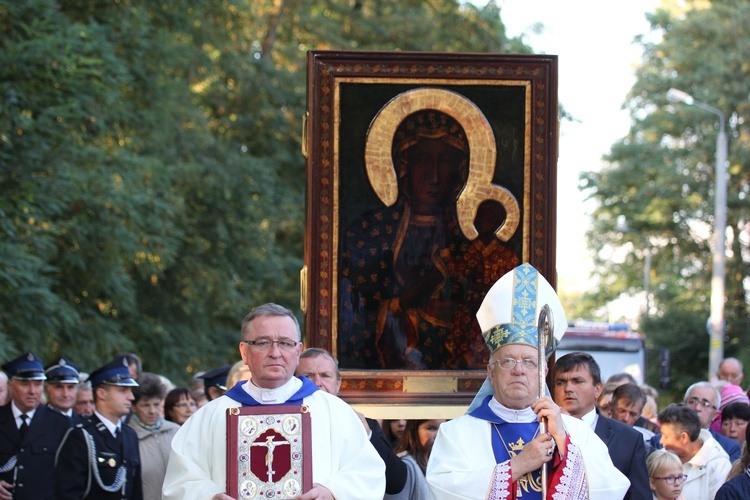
x=354, y=86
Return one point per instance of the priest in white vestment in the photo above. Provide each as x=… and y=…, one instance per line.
x=344, y=463
x=496, y=450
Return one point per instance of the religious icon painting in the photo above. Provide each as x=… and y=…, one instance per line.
x=268, y=452
x=430, y=175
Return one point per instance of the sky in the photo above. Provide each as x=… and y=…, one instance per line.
x=593, y=40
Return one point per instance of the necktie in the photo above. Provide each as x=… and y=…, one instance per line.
x=24, y=426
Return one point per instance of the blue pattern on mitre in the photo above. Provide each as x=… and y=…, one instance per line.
x=510, y=311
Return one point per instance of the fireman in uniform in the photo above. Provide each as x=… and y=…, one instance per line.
x=99, y=459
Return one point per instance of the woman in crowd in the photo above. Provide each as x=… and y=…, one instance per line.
x=737, y=486
x=730, y=394
x=665, y=475
x=734, y=420
x=154, y=433
x=414, y=449
x=179, y=405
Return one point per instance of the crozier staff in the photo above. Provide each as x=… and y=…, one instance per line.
x=496, y=450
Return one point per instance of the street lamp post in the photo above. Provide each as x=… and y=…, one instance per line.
x=716, y=321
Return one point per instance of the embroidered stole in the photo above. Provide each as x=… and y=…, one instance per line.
x=508, y=439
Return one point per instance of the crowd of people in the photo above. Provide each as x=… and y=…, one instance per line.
x=120, y=432
x=686, y=450
x=66, y=433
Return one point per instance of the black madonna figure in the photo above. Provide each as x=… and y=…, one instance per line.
x=396, y=297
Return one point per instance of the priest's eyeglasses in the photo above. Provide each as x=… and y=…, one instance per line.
x=510, y=363
x=700, y=402
x=266, y=345
x=673, y=479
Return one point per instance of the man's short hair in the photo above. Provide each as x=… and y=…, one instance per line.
x=314, y=352
x=573, y=360
x=619, y=377
x=271, y=309
x=683, y=418
x=630, y=392
x=707, y=385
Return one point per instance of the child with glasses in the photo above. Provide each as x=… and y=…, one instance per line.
x=665, y=475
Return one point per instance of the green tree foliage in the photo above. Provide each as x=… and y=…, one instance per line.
x=660, y=180
x=151, y=183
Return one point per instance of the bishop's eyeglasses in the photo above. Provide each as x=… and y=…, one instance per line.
x=265, y=344
x=510, y=363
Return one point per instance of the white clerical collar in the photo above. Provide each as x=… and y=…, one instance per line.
x=273, y=396
x=111, y=426
x=523, y=416
x=590, y=418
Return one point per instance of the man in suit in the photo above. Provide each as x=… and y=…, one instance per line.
x=577, y=384
x=29, y=434
x=61, y=387
x=322, y=368
x=623, y=378
x=628, y=401
x=102, y=438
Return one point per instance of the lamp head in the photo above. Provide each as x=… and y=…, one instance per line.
x=675, y=95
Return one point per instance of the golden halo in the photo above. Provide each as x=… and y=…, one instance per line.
x=482, y=154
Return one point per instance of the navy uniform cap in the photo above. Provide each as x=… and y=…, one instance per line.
x=26, y=367
x=113, y=373
x=217, y=377
x=63, y=371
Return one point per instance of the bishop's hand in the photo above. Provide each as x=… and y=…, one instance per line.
x=536, y=452
x=547, y=409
